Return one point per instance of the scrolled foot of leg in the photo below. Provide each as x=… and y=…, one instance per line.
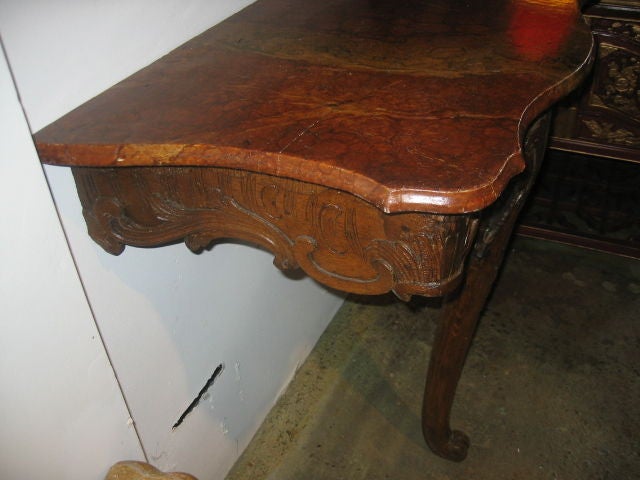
x=453, y=447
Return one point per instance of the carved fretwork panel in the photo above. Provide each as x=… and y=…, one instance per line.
x=335, y=237
x=617, y=86
x=604, y=120
x=626, y=30
x=611, y=111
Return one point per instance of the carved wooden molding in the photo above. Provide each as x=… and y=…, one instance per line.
x=626, y=29
x=617, y=86
x=608, y=133
x=335, y=237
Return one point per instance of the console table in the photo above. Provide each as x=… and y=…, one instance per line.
x=379, y=145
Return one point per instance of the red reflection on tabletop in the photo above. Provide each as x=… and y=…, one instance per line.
x=538, y=28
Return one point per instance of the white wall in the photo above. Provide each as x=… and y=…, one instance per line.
x=61, y=413
x=168, y=317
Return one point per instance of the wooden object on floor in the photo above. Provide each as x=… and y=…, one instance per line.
x=366, y=142
x=130, y=470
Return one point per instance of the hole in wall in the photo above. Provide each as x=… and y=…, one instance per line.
x=216, y=373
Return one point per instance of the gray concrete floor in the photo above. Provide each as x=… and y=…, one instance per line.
x=551, y=388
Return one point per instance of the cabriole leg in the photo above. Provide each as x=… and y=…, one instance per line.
x=461, y=312
x=452, y=341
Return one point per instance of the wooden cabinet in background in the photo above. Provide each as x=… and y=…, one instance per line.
x=603, y=118
x=588, y=192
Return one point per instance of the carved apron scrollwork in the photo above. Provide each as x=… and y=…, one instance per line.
x=335, y=237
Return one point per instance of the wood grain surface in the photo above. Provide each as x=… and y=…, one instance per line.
x=410, y=105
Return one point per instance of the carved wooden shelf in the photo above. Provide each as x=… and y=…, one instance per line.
x=373, y=144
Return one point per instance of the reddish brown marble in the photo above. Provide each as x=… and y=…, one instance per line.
x=411, y=105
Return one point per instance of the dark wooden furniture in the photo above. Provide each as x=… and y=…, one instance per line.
x=587, y=201
x=603, y=117
x=378, y=145
x=588, y=193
